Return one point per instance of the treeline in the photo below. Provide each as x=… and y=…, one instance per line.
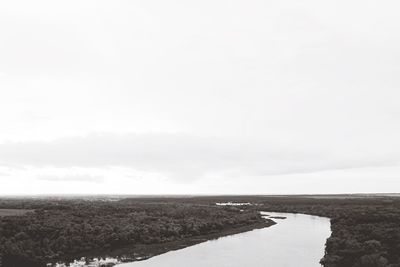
x=60, y=229
x=365, y=229
x=365, y=232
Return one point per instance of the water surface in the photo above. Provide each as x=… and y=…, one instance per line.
x=298, y=240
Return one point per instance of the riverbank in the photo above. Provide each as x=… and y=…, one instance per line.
x=300, y=236
x=365, y=230
x=140, y=252
x=147, y=251
x=71, y=227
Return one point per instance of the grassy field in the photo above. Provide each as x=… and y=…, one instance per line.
x=12, y=212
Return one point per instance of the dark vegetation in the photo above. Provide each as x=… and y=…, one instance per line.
x=365, y=230
x=62, y=229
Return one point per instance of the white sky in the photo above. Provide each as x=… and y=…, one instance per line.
x=173, y=97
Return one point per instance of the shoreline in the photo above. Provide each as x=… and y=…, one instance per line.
x=158, y=249
x=145, y=251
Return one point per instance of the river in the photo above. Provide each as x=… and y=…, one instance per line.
x=298, y=240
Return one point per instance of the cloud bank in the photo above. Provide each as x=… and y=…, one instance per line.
x=72, y=178
x=179, y=156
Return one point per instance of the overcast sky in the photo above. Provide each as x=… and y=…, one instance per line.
x=209, y=97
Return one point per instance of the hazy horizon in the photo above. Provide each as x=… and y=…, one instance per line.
x=212, y=97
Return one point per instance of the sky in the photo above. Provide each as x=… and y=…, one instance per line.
x=199, y=97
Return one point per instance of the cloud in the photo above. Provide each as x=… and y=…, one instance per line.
x=179, y=156
x=72, y=178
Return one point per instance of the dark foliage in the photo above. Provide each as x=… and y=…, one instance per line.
x=60, y=229
x=365, y=229
x=365, y=232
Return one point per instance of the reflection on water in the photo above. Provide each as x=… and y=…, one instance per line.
x=85, y=262
x=298, y=240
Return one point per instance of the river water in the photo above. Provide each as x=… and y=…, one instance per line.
x=298, y=240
